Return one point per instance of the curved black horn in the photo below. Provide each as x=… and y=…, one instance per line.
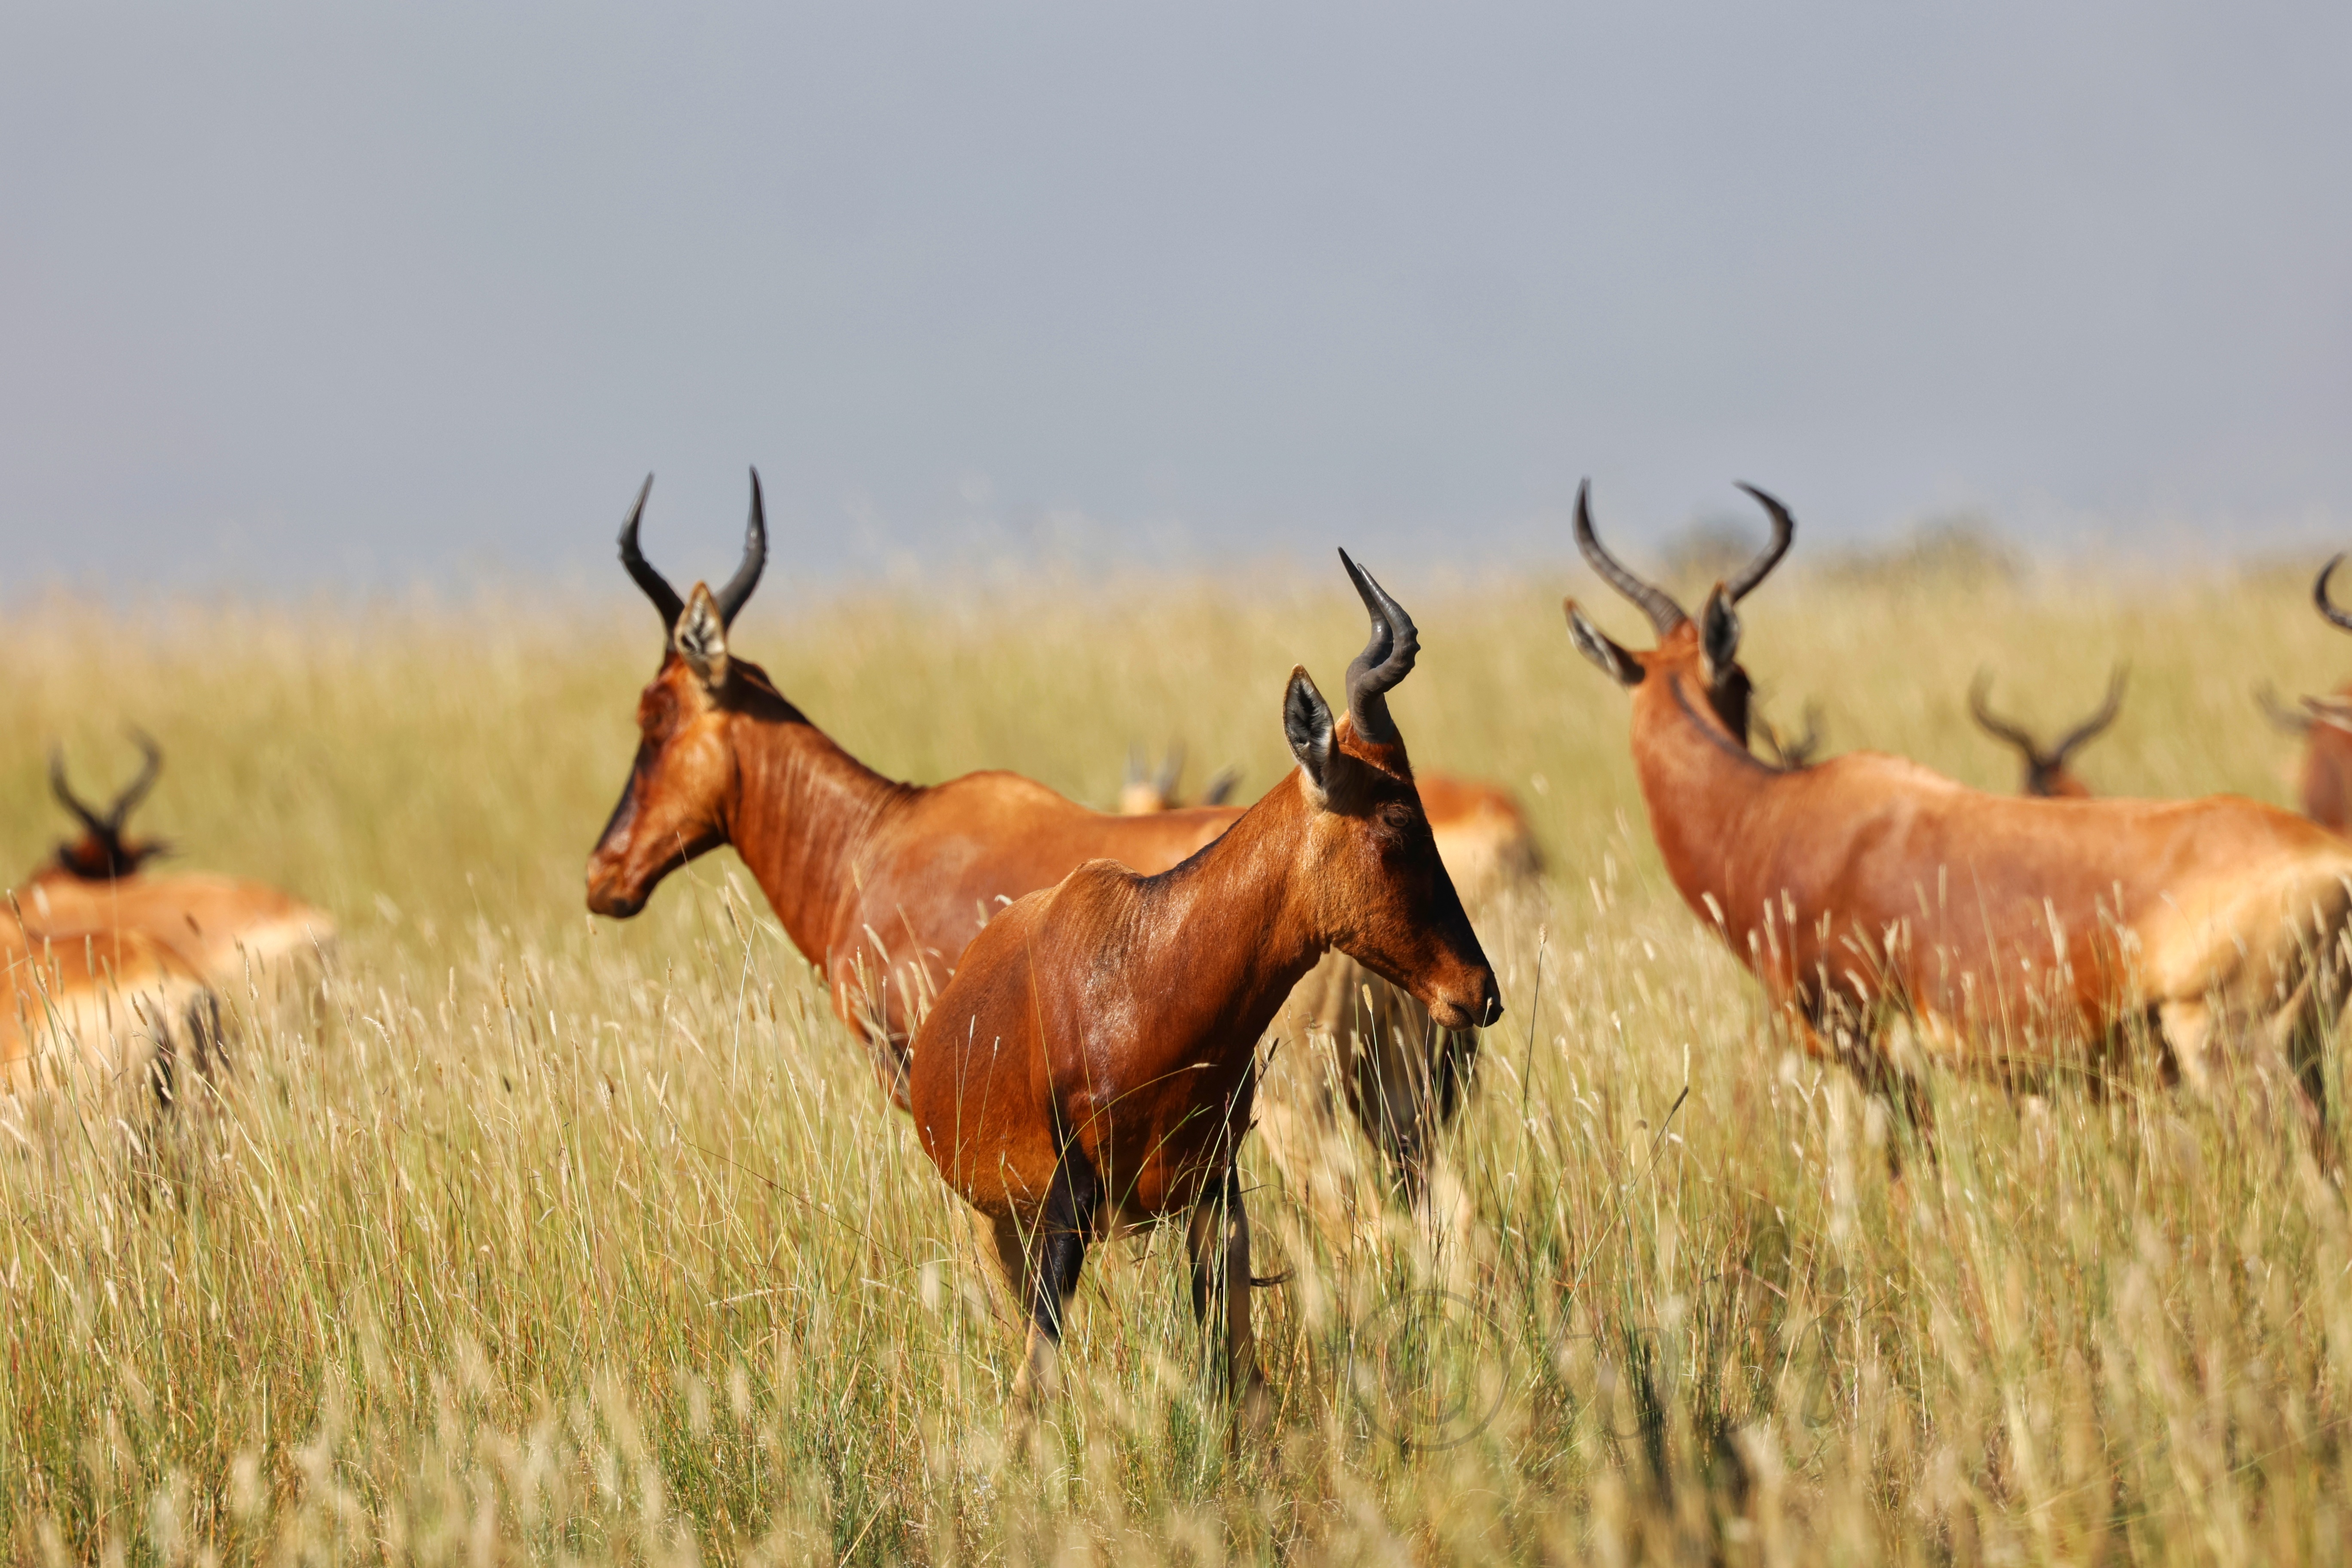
x=2336, y=617
x=1784, y=533
x=1387, y=658
x=90, y=819
x=730, y=598
x=137, y=791
x=1663, y=613
x=2097, y=722
x=1999, y=729
x=656, y=586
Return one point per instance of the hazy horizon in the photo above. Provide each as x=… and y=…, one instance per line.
x=293, y=301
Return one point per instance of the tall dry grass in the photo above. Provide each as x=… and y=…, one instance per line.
x=538, y=1237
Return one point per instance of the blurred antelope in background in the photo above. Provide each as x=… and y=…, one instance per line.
x=2004, y=928
x=880, y=884
x=2324, y=726
x=2047, y=772
x=1092, y=1064
x=1144, y=793
x=224, y=929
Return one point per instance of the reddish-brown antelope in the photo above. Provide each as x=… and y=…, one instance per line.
x=1092, y=1062
x=879, y=884
x=2048, y=771
x=222, y=929
x=2002, y=926
x=2324, y=725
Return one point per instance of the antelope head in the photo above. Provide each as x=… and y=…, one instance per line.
x=674, y=806
x=105, y=852
x=1703, y=655
x=2046, y=773
x=1380, y=893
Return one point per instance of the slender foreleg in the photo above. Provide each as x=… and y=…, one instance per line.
x=1218, y=1238
x=1060, y=1245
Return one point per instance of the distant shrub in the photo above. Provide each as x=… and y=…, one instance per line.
x=1957, y=549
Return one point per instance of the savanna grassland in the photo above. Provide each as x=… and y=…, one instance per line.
x=533, y=1236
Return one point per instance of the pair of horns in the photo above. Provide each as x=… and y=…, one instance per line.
x=106, y=827
x=1655, y=602
x=1387, y=658
x=730, y=599
x=1172, y=768
x=1981, y=687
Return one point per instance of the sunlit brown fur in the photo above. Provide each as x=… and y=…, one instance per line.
x=1091, y=1063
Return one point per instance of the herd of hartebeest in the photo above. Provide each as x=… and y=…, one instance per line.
x=1086, y=1012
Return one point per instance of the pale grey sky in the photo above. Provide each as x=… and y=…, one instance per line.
x=356, y=294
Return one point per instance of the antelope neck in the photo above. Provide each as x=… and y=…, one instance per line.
x=1230, y=922
x=1697, y=782
x=800, y=814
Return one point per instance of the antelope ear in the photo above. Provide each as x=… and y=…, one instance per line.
x=1307, y=720
x=1719, y=634
x=1593, y=643
x=700, y=638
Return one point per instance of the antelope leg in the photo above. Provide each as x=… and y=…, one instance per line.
x=1061, y=1252
x=1218, y=1238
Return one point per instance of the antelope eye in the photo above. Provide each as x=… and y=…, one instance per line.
x=1396, y=817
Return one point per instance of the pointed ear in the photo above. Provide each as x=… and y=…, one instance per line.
x=1307, y=720
x=1719, y=634
x=1593, y=643
x=700, y=638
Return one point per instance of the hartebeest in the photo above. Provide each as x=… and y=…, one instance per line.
x=1092, y=1062
x=2002, y=925
x=880, y=884
x=1146, y=794
x=2326, y=727
x=222, y=928
x=2047, y=772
